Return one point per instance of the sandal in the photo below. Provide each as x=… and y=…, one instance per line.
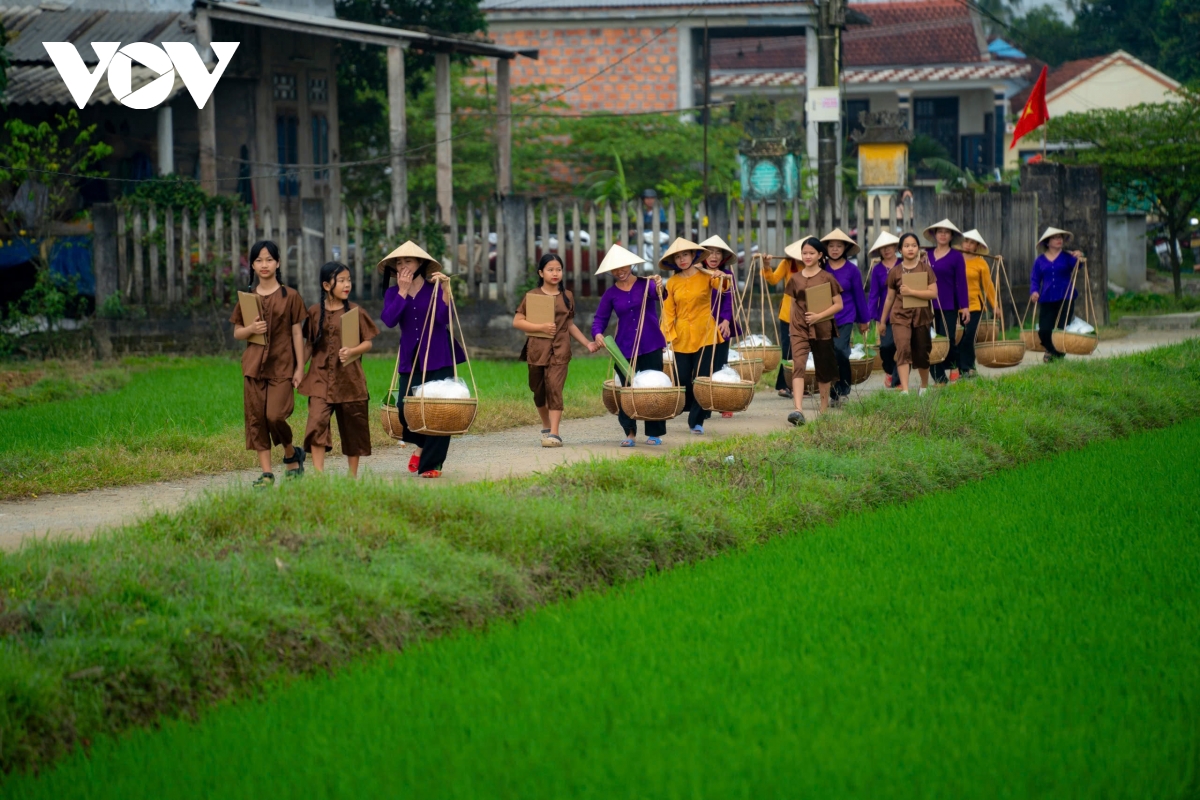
x=654, y=440
x=413, y=462
x=552, y=440
x=784, y=393
x=297, y=459
x=433, y=473
x=264, y=481
x=629, y=442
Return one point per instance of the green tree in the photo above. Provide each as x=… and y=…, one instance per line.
x=1042, y=34
x=1150, y=152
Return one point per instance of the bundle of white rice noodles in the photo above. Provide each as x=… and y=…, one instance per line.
x=651, y=379
x=811, y=365
x=734, y=355
x=1079, y=325
x=858, y=351
x=933, y=334
x=755, y=340
x=726, y=375
x=668, y=355
x=444, y=389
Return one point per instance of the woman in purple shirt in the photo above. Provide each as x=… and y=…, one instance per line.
x=633, y=301
x=718, y=257
x=885, y=249
x=1049, y=284
x=952, y=304
x=840, y=248
x=413, y=277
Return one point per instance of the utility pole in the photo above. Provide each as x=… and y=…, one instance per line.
x=707, y=110
x=831, y=18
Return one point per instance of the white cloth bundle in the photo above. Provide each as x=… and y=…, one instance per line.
x=933, y=334
x=755, y=340
x=1079, y=325
x=726, y=375
x=811, y=365
x=651, y=379
x=444, y=389
x=668, y=355
x=858, y=351
x=734, y=355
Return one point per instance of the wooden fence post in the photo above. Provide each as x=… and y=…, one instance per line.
x=155, y=289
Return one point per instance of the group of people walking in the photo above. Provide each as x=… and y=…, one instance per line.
x=689, y=318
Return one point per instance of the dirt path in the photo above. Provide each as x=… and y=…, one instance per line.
x=503, y=454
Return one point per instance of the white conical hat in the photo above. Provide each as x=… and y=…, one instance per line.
x=409, y=249
x=794, y=249
x=717, y=243
x=1052, y=231
x=885, y=239
x=955, y=233
x=618, y=257
x=975, y=236
x=680, y=245
x=836, y=235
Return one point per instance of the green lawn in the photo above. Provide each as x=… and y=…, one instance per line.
x=243, y=590
x=1036, y=634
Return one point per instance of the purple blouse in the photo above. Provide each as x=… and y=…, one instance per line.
x=878, y=293
x=628, y=306
x=722, y=306
x=1052, y=279
x=950, y=272
x=410, y=313
x=854, y=301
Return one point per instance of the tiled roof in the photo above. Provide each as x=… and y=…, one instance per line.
x=503, y=6
x=33, y=85
x=1055, y=78
x=900, y=33
x=861, y=76
x=29, y=26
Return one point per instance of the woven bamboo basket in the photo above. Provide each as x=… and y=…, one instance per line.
x=669, y=368
x=810, y=382
x=786, y=366
x=860, y=370
x=998, y=355
x=390, y=417
x=771, y=355
x=724, y=397
x=750, y=369
x=608, y=395
x=653, y=404
x=987, y=331
x=1032, y=342
x=1076, y=344
x=877, y=362
x=958, y=334
x=939, y=351
x=440, y=416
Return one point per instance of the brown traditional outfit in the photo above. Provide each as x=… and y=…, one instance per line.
x=334, y=388
x=808, y=337
x=549, y=358
x=267, y=370
x=910, y=326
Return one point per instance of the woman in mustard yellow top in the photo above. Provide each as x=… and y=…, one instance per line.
x=979, y=284
x=688, y=323
x=781, y=274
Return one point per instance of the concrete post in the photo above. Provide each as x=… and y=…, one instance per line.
x=516, y=257
x=105, y=268
x=397, y=132
x=207, y=116
x=442, y=131
x=503, y=127
x=166, y=140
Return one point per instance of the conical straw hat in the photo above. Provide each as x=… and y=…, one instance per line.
x=955, y=233
x=409, y=249
x=793, y=250
x=680, y=245
x=975, y=236
x=836, y=235
x=717, y=243
x=618, y=257
x=885, y=239
x=1052, y=231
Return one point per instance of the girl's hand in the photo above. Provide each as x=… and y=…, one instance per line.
x=1034, y=297
x=548, y=327
x=904, y=289
x=810, y=317
x=599, y=341
x=259, y=326
x=592, y=347
x=297, y=377
x=344, y=354
x=724, y=328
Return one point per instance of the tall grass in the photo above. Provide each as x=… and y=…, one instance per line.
x=1036, y=634
x=243, y=589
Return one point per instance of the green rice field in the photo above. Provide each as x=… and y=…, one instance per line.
x=1033, y=634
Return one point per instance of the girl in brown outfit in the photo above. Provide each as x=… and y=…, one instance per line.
x=271, y=371
x=335, y=383
x=548, y=358
x=910, y=326
x=811, y=332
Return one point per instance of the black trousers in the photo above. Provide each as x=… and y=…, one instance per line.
x=946, y=324
x=651, y=360
x=691, y=366
x=785, y=347
x=722, y=355
x=887, y=354
x=841, y=351
x=966, y=350
x=433, y=448
x=1048, y=315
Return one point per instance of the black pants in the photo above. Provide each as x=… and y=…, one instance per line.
x=946, y=324
x=651, y=360
x=1048, y=315
x=887, y=354
x=966, y=350
x=692, y=366
x=722, y=355
x=785, y=349
x=433, y=448
x=841, y=351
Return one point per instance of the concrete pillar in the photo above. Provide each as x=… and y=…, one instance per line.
x=207, y=116
x=685, y=67
x=516, y=258
x=904, y=106
x=442, y=131
x=999, y=123
x=810, y=82
x=397, y=132
x=166, y=140
x=503, y=127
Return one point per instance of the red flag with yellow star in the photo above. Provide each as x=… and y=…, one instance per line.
x=1035, y=113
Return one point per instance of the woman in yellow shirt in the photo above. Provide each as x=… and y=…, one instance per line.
x=787, y=267
x=979, y=284
x=688, y=323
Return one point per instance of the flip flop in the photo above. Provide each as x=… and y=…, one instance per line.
x=629, y=443
x=552, y=440
x=654, y=440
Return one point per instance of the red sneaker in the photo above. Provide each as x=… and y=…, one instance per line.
x=433, y=473
x=412, y=462
x=727, y=414
x=887, y=381
x=954, y=376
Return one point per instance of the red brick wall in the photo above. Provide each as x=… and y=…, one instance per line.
x=646, y=81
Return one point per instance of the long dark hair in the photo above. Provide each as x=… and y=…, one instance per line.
x=900, y=245
x=545, y=261
x=819, y=246
x=329, y=274
x=273, y=251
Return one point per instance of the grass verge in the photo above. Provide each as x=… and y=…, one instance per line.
x=964, y=645
x=171, y=418
x=243, y=589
